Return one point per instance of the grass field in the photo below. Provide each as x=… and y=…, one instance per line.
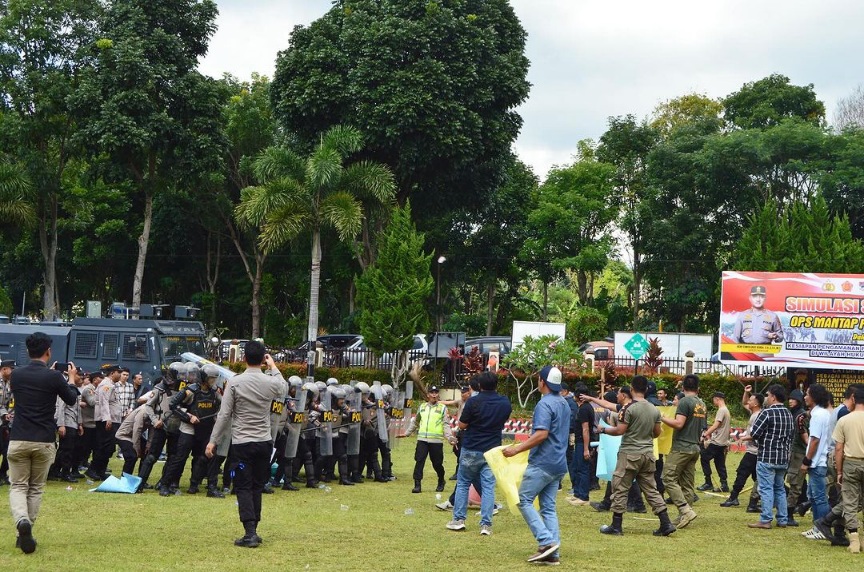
x=370, y=527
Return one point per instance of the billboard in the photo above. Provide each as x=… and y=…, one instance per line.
x=793, y=320
x=535, y=330
x=675, y=345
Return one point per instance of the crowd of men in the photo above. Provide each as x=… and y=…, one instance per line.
x=804, y=456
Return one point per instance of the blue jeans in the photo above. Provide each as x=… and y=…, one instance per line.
x=580, y=473
x=544, y=526
x=770, y=478
x=816, y=486
x=471, y=465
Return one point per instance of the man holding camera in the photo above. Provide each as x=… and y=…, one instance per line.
x=31, y=438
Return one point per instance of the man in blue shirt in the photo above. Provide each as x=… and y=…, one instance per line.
x=547, y=463
x=481, y=421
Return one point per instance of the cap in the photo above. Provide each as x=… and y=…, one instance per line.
x=564, y=386
x=719, y=394
x=8, y=363
x=796, y=395
x=97, y=373
x=610, y=396
x=465, y=388
x=110, y=368
x=757, y=290
x=652, y=388
x=552, y=376
x=433, y=389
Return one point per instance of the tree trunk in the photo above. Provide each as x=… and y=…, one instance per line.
x=582, y=287
x=490, y=307
x=314, y=286
x=545, y=300
x=48, y=246
x=637, y=282
x=256, y=296
x=254, y=278
x=143, y=243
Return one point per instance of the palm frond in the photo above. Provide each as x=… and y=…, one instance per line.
x=324, y=168
x=344, y=213
x=284, y=225
x=344, y=139
x=278, y=163
x=18, y=211
x=368, y=179
x=14, y=188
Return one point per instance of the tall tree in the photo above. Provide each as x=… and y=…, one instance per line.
x=768, y=101
x=144, y=106
x=42, y=54
x=297, y=195
x=393, y=293
x=849, y=113
x=433, y=86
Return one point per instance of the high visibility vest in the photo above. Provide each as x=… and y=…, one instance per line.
x=431, y=421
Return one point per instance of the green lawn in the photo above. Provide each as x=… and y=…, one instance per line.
x=366, y=527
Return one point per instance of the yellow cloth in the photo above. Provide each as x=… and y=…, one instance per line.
x=508, y=474
x=663, y=443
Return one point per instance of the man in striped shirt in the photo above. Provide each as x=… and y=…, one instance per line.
x=773, y=431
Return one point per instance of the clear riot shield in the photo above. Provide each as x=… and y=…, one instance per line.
x=381, y=407
x=325, y=431
x=294, y=423
x=398, y=424
x=409, y=400
x=354, y=401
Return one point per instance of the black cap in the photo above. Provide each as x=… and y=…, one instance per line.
x=465, y=388
x=433, y=389
x=719, y=394
x=796, y=395
x=757, y=290
x=110, y=368
x=564, y=386
x=97, y=373
x=8, y=363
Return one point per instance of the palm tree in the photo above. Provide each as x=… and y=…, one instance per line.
x=296, y=195
x=14, y=187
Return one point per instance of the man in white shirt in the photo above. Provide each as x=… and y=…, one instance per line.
x=816, y=457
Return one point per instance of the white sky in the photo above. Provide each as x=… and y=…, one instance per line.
x=593, y=60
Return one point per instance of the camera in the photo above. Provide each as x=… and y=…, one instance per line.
x=61, y=366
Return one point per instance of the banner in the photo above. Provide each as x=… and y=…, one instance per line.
x=792, y=320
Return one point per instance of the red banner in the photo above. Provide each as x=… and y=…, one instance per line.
x=792, y=320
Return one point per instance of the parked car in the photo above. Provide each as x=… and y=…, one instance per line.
x=418, y=351
x=486, y=344
x=602, y=350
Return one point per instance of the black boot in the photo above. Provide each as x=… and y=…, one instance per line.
x=288, y=486
x=615, y=527
x=790, y=517
x=825, y=525
x=724, y=487
x=753, y=506
x=213, y=492
x=441, y=483
x=416, y=488
x=666, y=526
x=731, y=501
x=706, y=486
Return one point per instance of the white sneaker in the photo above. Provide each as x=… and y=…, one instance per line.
x=495, y=510
x=444, y=505
x=456, y=525
x=813, y=534
x=486, y=529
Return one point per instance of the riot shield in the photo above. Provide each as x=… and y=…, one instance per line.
x=409, y=400
x=295, y=421
x=381, y=407
x=355, y=405
x=397, y=418
x=325, y=430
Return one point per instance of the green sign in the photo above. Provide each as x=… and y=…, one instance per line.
x=637, y=346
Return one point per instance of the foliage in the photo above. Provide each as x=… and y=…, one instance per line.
x=393, y=293
x=685, y=110
x=652, y=359
x=767, y=102
x=532, y=355
x=584, y=324
x=849, y=112
x=5, y=302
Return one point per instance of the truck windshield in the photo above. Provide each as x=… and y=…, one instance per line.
x=173, y=346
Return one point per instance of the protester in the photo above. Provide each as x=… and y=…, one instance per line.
x=773, y=431
x=481, y=422
x=717, y=443
x=546, y=465
x=747, y=465
x=795, y=477
x=245, y=412
x=815, y=462
x=31, y=438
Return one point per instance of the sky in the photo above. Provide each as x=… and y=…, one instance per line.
x=591, y=60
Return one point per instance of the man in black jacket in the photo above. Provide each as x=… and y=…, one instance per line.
x=31, y=439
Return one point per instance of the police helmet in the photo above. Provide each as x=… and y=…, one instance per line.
x=362, y=386
x=332, y=381
x=295, y=381
x=387, y=389
x=193, y=373
x=209, y=372
x=175, y=372
x=321, y=386
x=308, y=386
x=339, y=393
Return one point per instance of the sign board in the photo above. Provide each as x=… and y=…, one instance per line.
x=536, y=330
x=636, y=346
x=792, y=320
x=674, y=345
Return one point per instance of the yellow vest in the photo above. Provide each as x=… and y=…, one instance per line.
x=431, y=424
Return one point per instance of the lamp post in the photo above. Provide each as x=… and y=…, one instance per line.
x=441, y=260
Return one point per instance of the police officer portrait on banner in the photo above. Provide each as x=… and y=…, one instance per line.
x=758, y=325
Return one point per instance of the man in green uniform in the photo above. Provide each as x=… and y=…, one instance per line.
x=679, y=471
x=639, y=423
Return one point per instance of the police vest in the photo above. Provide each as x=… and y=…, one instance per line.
x=432, y=421
x=204, y=403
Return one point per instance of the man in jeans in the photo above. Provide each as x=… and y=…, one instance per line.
x=773, y=431
x=482, y=421
x=31, y=438
x=547, y=463
x=815, y=462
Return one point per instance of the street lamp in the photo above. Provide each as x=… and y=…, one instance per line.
x=441, y=260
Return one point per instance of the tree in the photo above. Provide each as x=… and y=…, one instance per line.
x=432, y=85
x=571, y=220
x=626, y=145
x=393, y=293
x=850, y=111
x=684, y=110
x=42, y=54
x=767, y=102
x=145, y=108
x=525, y=361
x=15, y=187
x=295, y=195
x=841, y=178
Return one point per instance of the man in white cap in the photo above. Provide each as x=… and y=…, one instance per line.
x=547, y=464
